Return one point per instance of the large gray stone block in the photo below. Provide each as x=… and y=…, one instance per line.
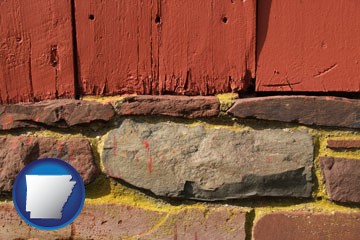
x=197, y=162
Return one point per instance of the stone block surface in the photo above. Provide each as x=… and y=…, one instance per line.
x=322, y=111
x=342, y=178
x=17, y=151
x=56, y=113
x=192, y=161
x=176, y=106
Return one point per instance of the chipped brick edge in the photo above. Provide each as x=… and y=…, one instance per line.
x=344, y=144
x=307, y=110
x=168, y=105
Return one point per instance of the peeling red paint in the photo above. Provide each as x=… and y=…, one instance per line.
x=150, y=164
x=147, y=147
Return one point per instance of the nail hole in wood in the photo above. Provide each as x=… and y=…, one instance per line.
x=157, y=19
x=91, y=17
x=225, y=19
x=54, y=57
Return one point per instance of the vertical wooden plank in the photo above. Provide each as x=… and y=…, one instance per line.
x=114, y=46
x=36, y=60
x=160, y=47
x=185, y=57
x=206, y=46
x=233, y=43
x=306, y=45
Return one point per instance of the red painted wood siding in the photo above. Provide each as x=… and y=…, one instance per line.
x=307, y=45
x=186, y=47
x=36, y=54
x=115, y=42
x=165, y=46
x=206, y=47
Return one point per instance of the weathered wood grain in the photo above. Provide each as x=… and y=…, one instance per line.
x=165, y=47
x=36, y=54
x=114, y=40
x=308, y=46
x=206, y=47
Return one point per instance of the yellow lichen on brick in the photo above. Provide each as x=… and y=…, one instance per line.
x=56, y=135
x=106, y=99
x=340, y=153
x=105, y=190
x=226, y=100
x=320, y=206
x=320, y=142
x=41, y=133
x=234, y=126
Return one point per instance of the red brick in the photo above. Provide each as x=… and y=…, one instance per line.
x=17, y=151
x=342, y=178
x=76, y=151
x=110, y=221
x=12, y=227
x=343, y=144
x=308, y=110
x=58, y=113
x=176, y=106
x=225, y=223
x=308, y=46
x=308, y=226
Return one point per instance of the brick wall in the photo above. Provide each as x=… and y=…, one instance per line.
x=176, y=167
x=161, y=164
